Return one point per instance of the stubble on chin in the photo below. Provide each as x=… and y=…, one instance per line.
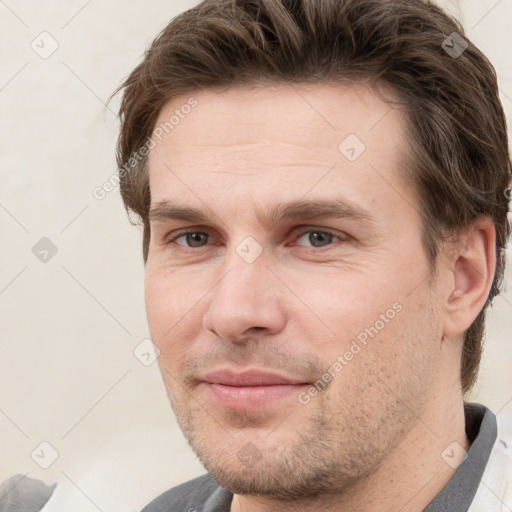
x=248, y=457
x=323, y=447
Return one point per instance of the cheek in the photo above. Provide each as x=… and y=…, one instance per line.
x=376, y=324
x=343, y=304
x=158, y=307
x=170, y=320
x=172, y=305
x=405, y=354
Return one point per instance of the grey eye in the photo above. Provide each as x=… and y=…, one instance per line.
x=318, y=238
x=195, y=238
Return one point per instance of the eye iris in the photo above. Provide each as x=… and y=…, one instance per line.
x=317, y=237
x=195, y=239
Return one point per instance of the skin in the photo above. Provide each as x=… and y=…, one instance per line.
x=372, y=439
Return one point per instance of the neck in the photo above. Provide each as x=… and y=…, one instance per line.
x=409, y=478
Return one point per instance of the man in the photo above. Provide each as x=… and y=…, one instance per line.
x=323, y=190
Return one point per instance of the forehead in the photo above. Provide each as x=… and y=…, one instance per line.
x=277, y=141
x=293, y=113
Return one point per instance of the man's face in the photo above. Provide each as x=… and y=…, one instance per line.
x=299, y=345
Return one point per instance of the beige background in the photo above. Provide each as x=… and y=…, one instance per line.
x=69, y=326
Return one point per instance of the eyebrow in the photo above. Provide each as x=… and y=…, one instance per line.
x=294, y=210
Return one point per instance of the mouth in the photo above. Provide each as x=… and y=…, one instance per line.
x=250, y=390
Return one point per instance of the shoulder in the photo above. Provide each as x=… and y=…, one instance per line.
x=187, y=496
x=495, y=490
x=21, y=492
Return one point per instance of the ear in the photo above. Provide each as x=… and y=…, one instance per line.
x=470, y=277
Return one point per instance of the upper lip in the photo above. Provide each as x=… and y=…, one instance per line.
x=249, y=378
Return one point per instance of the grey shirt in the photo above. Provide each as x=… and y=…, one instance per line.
x=23, y=494
x=204, y=494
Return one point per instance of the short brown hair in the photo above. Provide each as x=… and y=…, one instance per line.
x=459, y=159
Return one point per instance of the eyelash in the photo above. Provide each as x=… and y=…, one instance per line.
x=296, y=235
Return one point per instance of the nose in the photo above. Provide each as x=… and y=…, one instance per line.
x=246, y=302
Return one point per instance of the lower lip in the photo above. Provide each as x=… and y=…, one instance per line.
x=251, y=397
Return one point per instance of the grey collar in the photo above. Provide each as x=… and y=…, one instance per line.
x=459, y=492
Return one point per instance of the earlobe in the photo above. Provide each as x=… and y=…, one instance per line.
x=472, y=273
